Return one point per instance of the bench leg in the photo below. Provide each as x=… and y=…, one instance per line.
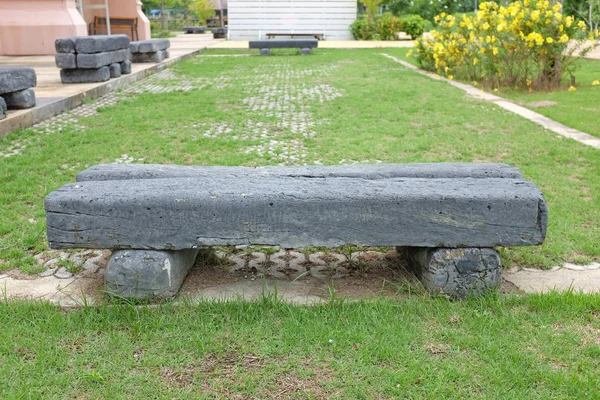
x=306, y=51
x=148, y=274
x=457, y=273
x=265, y=52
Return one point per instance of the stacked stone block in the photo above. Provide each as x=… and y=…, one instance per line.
x=194, y=29
x=87, y=59
x=16, y=91
x=150, y=51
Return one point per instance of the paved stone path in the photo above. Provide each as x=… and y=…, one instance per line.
x=524, y=112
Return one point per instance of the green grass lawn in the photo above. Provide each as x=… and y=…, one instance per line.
x=578, y=109
x=544, y=347
x=337, y=106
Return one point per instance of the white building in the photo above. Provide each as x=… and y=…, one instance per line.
x=253, y=19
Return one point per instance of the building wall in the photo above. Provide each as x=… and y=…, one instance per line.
x=253, y=19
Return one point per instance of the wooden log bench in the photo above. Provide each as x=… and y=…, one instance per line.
x=446, y=217
x=265, y=46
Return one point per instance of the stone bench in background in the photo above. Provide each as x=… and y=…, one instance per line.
x=447, y=218
x=16, y=91
x=87, y=59
x=194, y=29
x=149, y=51
x=265, y=46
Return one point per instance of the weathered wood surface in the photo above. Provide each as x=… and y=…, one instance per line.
x=104, y=172
x=295, y=212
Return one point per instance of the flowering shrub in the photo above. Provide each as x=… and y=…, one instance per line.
x=387, y=27
x=525, y=44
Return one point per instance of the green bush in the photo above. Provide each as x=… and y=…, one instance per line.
x=387, y=27
x=413, y=25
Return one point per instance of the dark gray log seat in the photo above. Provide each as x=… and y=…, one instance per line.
x=194, y=29
x=265, y=46
x=16, y=91
x=153, y=50
x=446, y=217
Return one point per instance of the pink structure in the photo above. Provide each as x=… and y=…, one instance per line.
x=30, y=27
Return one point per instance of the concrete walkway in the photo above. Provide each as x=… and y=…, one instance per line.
x=508, y=105
x=54, y=97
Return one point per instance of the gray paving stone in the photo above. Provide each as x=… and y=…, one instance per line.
x=265, y=52
x=85, y=75
x=52, y=262
x=13, y=79
x=48, y=272
x=20, y=100
x=97, y=60
x=62, y=273
x=306, y=51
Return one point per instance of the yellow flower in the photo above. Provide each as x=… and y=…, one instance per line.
x=581, y=24
x=409, y=53
x=486, y=26
x=572, y=89
x=596, y=83
x=495, y=51
x=495, y=90
x=475, y=83
x=450, y=77
x=528, y=82
x=475, y=61
x=549, y=40
x=564, y=39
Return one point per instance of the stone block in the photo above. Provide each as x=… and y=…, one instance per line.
x=149, y=46
x=457, y=273
x=125, y=67
x=284, y=44
x=148, y=274
x=148, y=57
x=20, y=100
x=306, y=51
x=98, y=60
x=65, y=45
x=167, y=54
x=265, y=52
x=180, y=213
x=13, y=79
x=105, y=172
x=3, y=106
x=85, y=75
x=101, y=43
x=194, y=29
x=66, y=60
x=115, y=70
x=220, y=33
